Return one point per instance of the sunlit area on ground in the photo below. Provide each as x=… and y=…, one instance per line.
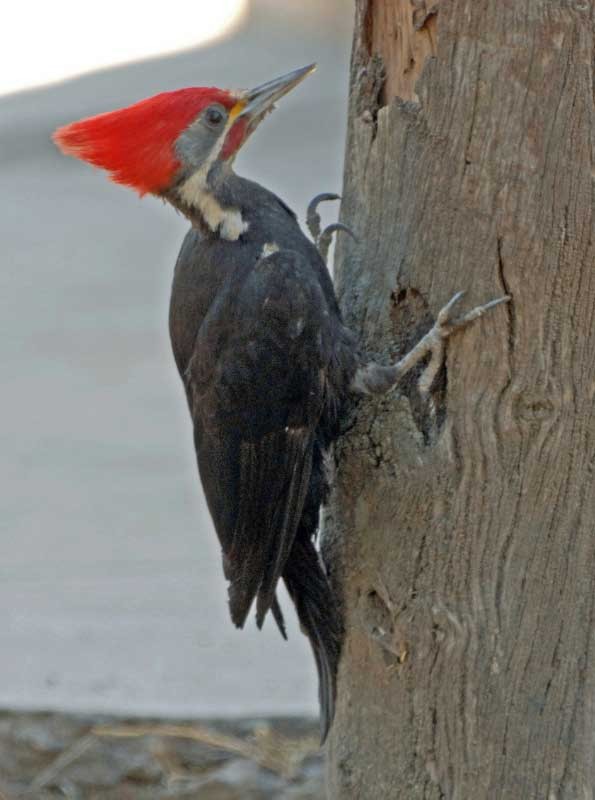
x=65, y=38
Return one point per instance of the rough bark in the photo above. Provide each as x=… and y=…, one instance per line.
x=464, y=542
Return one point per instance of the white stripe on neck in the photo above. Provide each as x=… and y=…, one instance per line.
x=227, y=221
x=194, y=192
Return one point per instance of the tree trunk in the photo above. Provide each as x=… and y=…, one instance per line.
x=462, y=532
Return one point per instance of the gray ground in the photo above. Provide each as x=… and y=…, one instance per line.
x=111, y=590
x=45, y=756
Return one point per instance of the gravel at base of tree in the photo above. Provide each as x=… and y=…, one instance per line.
x=51, y=755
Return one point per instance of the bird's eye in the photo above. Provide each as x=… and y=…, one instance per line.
x=214, y=116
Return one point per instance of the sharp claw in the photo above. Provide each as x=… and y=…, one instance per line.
x=325, y=238
x=506, y=299
x=444, y=313
x=475, y=313
x=312, y=215
x=339, y=226
x=322, y=198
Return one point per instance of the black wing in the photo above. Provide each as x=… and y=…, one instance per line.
x=256, y=383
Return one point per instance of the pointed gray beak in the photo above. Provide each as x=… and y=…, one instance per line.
x=262, y=99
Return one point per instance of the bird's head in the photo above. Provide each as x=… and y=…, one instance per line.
x=164, y=141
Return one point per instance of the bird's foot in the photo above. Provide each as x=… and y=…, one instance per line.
x=322, y=238
x=312, y=215
x=373, y=378
x=326, y=237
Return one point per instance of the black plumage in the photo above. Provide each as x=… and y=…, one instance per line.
x=266, y=363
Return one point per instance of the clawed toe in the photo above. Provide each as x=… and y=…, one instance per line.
x=325, y=238
x=312, y=215
x=443, y=317
x=446, y=326
x=375, y=379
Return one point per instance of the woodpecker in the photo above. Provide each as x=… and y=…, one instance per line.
x=267, y=364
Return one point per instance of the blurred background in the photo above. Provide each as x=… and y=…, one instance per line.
x=111, y=588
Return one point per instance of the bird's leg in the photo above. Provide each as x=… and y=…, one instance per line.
x=322, y=239
x=374, y=378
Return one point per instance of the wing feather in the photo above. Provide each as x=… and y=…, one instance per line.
x=274, y=476
x=256, y=382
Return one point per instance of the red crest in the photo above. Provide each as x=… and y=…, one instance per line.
x=136, y=144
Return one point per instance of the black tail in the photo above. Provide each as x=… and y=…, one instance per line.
x=320, y=620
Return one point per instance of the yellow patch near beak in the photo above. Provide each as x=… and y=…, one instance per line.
x=236, y=110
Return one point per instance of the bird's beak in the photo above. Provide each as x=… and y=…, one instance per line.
x=262, y=99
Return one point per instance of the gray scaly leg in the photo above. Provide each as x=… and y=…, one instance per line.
x=374, y=378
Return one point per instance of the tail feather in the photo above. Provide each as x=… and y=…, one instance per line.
x=319, y=618
x=288, y=524
x=278, y=616
x=274, y=476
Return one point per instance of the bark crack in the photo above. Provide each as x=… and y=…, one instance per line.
x=509, y=307
x=473, y=112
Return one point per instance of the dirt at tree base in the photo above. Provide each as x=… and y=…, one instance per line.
x=52, y=755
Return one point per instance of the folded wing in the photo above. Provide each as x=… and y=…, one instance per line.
x=257, y=383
